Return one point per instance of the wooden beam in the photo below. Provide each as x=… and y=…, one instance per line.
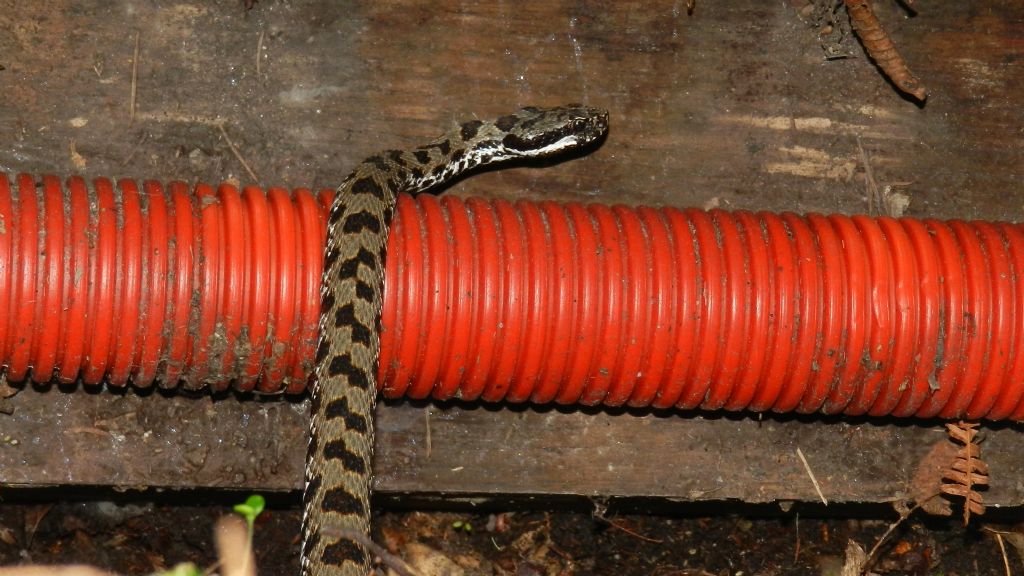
x=734, y=106
x=126, y=440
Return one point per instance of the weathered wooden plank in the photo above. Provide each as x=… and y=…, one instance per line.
x=58, y=438
x=734, y=106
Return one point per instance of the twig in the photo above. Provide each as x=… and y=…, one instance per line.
x=817, y=487
x=426, y=419
x=390, y=560
x=869, y=180
x=1002, y=549
x=131, y=155
x=259, y=53
x=30, y=532
x=902, y=518
x=796, y=551
x=135, y=78
x=599, y=513
x=615, y=524
x=237, y=154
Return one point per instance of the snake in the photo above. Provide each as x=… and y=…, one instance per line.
x=336, y=497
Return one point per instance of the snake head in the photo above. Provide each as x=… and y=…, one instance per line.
x=544, y=131
x=535, y=132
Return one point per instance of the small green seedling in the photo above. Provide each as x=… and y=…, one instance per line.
x=250, y=509
x=461, y=526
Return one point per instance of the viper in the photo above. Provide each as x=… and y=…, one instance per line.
x=336, y=500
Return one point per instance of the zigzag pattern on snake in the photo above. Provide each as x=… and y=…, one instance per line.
x=337, y=495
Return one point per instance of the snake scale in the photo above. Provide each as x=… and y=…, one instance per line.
x=336, y=500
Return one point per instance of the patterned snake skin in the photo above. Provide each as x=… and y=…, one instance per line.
x=337, y=495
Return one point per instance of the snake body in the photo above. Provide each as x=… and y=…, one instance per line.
x=336, y=499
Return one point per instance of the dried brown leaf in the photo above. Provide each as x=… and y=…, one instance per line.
x=963, y=432
x=926, y=482
x=964, y=478
x=882, y=50
x=956, y=490
x=430, y=562
x=6, y=390
x=392, y=539
x=972, y=465
x=967, y=470
x=855, y=561
x=7, y=536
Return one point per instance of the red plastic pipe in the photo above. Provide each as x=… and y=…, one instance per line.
x=521, y=302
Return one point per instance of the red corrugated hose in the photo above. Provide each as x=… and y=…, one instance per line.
x=539, y=302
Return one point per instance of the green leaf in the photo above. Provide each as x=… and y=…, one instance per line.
x=251, y=508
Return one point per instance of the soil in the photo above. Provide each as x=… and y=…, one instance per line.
x=138, y=536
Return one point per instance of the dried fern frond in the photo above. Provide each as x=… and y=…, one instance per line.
x=881, y=48
x=968, y=470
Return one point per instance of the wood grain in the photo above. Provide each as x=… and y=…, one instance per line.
x=734, y=106
x=479, y=452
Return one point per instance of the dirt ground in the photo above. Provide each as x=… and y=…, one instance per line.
x=138, y=536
